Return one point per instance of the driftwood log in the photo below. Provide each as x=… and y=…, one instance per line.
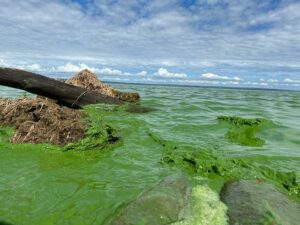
x=66, y=94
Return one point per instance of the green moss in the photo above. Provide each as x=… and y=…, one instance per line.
x=244, y=131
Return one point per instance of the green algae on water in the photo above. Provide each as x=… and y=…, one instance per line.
x=86, y=187
x=208, y=164
x=99, y=135
x=244, y=131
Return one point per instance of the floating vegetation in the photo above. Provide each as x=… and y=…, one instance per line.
x=244, y=131
x=208, y=164
x=99, y=135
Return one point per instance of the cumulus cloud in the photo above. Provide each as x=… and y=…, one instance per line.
x=288, y=80
x=213, y=76
x=162, y=72
x=34, y=67
x=142, y=73
x=110, y=71
x=3, y=63
x=269, y=80
x=69, y=67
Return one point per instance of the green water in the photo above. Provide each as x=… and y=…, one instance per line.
x=44, y=185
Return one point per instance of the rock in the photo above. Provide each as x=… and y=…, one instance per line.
x=88, y=80
x=139, y=109
x=254, y=202
x=163, y=204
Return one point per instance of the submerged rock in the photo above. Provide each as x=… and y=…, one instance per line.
x=163, y=204
x=88, y=80
x=139, y=109
x=254, y=202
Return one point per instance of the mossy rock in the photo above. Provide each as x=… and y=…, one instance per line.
x=254, y=202
x=205, y=208
x=161, y=205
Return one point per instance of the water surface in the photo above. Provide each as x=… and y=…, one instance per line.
x=41, y=185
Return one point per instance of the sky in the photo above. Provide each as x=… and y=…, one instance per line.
x=238, y=43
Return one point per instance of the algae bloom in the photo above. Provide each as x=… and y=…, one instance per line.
x=244, y=131
x=206, y=208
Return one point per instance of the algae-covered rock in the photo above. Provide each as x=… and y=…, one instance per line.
x=243, y=131
x=205, y=208
x=163, y=204
x=253, y=202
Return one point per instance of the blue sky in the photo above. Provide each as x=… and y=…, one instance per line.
x=252, y=43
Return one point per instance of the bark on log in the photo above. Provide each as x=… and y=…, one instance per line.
x=66, y=94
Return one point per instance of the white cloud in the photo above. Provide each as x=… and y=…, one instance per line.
x=69, y=67
x=3, y=63
x=213, y=76
x=162, y=72
x=34, y=67
x=272, y=81
x=110, y=71
x=142, y=73
x=287, y=80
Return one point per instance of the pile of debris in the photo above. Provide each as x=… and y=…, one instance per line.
x=39, y=120
x=42, y=120
x=88, y=80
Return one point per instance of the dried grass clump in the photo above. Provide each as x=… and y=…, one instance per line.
x=39, y=120
x=88, y=80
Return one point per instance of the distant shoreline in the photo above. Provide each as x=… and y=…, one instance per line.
x=208, y=87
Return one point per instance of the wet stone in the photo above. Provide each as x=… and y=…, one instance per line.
x=163, y=204
x=254, y=202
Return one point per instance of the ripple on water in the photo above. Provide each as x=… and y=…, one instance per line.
x=45, y=186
